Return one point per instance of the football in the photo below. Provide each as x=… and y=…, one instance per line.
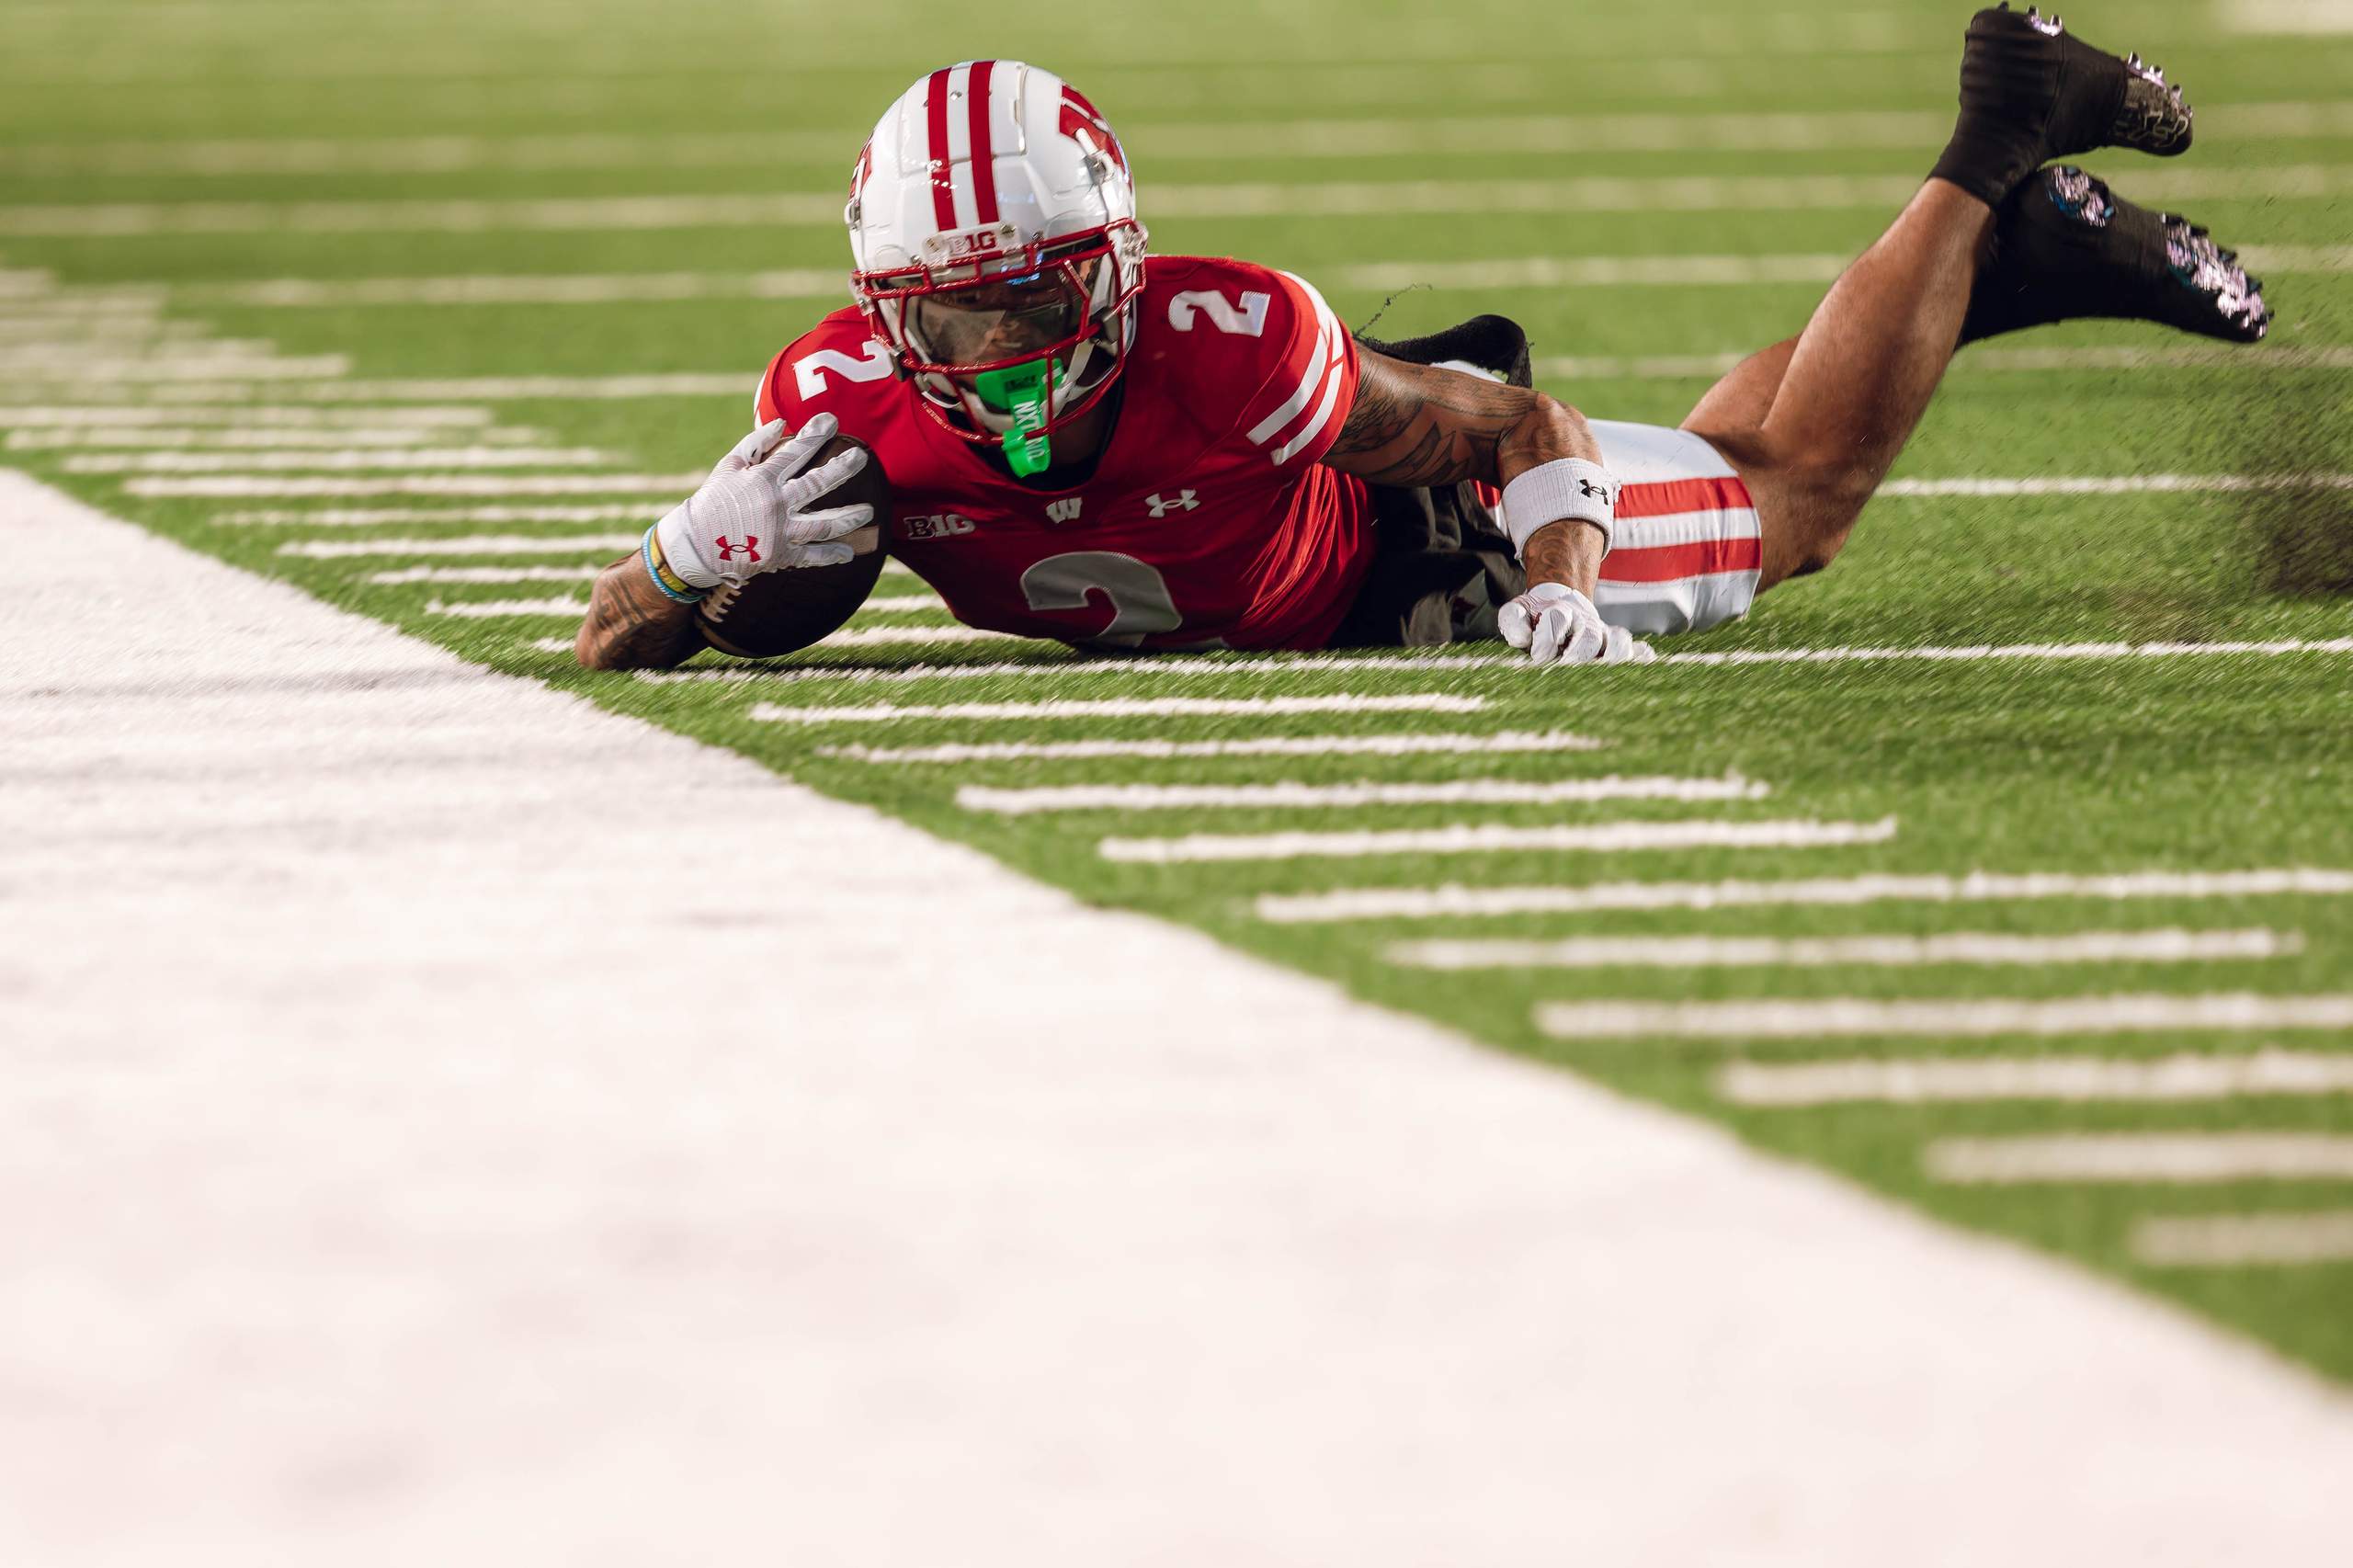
x=784, y=611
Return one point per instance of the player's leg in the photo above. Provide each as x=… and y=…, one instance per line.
x=1812, y=446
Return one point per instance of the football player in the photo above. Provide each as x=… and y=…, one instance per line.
x=1118, y=450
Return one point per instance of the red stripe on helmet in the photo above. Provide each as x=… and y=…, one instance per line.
x=943, y=189
x=983, y=142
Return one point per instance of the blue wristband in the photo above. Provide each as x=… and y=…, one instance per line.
x=664, y=578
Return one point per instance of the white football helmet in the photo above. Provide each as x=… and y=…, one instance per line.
x=993, y=223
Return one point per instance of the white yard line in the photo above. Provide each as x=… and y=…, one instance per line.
x=246, y=485
x=155, y=438
x=485, y=575
x=1491, y=838
x=915, y=637
x=478, y=544
x=1385, y=137
x=1989, y=948
x=2306, y=17
x=373, y=517
x=1954, y=1018
x=46, y=383
x=500, y=610
x=2156, y=1159
x=1958, y=1080
x=1124, y=707
x=1708, y=367
x=738, y=384
x=78, y=415
x=1298, y=796
x=1682, y=269
x=1183, y=668
x=1455, y=902
x=1334, y=198
x=242, y=464
x=281, y=818
x=2143, y=484
x=2242, y=1240
x=1262, y=745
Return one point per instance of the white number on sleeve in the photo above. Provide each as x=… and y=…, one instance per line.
x=1138, y=593
x=1250, y=321
x=809, y=370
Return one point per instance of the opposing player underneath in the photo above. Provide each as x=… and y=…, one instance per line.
x=1087, y=444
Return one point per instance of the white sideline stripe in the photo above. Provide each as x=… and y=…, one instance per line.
x=74, y=416
x=904, y=604
x=1262, y=745
x=360, y=518
x=150, y=437
x=1818, y=952
x=241, y=485
x=1275, y=139
x=2242, y=1240
x=1488, y=838
x=2156, y=1159
x=242, y=464
x=1955, y=1018
x=915, y=636
x=1337, y=199
x=1456, y=902
x=1294, y=795
x=1680, y=269
x=1509, y=1200
x=1946, y=1080
x=1123, y=708
x=483, y=575
x=483, y=544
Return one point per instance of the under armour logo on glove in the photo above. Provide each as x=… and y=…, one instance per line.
x=750, y=547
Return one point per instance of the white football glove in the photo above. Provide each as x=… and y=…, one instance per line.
x=754, y=513
x=1558, y=625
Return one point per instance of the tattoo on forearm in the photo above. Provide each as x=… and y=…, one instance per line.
x=633, y=625
x=1550, y=555
x=1415, y=425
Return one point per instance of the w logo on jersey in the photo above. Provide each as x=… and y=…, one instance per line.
x=1064, y=511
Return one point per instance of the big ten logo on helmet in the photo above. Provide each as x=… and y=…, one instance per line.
x=944, y=525
x=970, y=244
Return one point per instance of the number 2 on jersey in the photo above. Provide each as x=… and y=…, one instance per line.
x=1139, y=595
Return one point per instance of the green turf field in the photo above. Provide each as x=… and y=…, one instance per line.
x=2186, y=1037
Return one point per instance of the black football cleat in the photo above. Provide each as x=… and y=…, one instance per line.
x=2031, y=92
x=2067, y=248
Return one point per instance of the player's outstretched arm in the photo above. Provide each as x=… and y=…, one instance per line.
x=1416, y=425
x=758, y=511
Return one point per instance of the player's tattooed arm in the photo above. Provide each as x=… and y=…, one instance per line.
x=1416, y=425
x=631, y=624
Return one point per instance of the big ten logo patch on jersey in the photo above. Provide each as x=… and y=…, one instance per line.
x=809, y=370
x=1065, y=510
x=944, y=525
x=1246, y=320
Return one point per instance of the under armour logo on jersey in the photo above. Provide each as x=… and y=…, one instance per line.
x=1163, y=505
x=750, y=547
x=1065, y=510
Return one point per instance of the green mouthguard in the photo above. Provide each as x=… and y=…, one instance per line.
x=1022, y=391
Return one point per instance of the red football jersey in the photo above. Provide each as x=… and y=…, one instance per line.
x=1210, y=520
